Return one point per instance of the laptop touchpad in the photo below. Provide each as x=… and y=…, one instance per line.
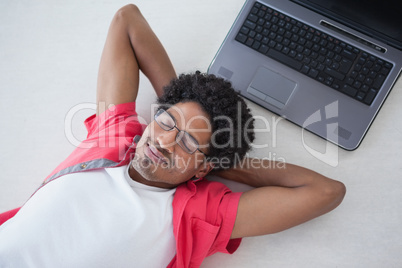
x=271, y=87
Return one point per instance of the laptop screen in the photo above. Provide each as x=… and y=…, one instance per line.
x=377, y=18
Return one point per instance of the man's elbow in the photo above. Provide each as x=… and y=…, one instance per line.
x=126, y=13
x=334, y=193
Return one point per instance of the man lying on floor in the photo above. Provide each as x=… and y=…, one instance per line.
x=119, y=201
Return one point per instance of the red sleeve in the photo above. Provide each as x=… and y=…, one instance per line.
x=5, y=216
x=109, y=136
x=204, y=214
x=112, y=116
x=227, y=212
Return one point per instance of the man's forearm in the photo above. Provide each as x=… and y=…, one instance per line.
x=285, y=195
x=261, y=172
x=151, y=56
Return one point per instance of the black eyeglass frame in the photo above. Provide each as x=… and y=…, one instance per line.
x=177, y=138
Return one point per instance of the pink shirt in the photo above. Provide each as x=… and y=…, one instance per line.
x=204, y=212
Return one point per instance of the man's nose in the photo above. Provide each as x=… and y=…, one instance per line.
x=167, y=140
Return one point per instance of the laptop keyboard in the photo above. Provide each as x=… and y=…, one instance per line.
x=320, y=56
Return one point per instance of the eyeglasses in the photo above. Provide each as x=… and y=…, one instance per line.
x=187, y=142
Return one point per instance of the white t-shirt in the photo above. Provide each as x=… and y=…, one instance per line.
x=97, y=218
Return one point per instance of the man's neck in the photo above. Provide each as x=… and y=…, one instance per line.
x=135, y=176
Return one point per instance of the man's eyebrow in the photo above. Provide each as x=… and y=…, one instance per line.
x=174, y=118
x=177, y=125
x=181, y=129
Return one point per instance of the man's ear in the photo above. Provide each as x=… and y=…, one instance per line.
x=204, y=169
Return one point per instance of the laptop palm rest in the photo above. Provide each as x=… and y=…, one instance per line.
x=271, y=87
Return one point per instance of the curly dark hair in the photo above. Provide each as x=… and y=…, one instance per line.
x=226, y=110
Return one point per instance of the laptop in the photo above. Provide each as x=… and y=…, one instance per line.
x=326, y=66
